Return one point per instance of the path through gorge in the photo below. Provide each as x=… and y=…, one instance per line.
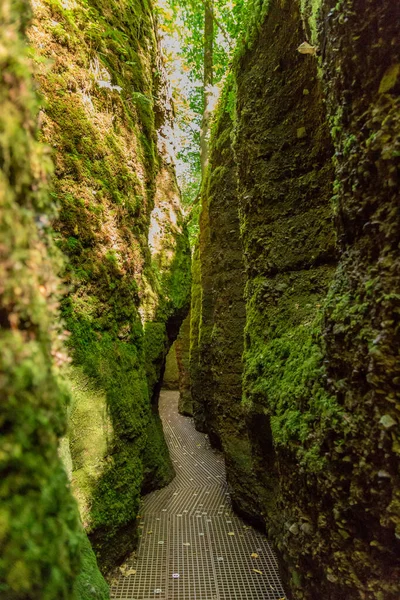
x=192, y=546
x=206, y=190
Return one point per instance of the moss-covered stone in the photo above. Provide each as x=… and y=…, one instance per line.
x=44, y=553
x=106, y=113
x=171, y=374
x=222, y=318
x=185, y=405
x=90, y=437
x=361, y=328
x=316, y=144
x=285, y=176
x=195, y=320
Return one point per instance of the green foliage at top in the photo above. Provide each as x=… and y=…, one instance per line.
x=184, y=21
x=310, y=11
x=235, y=28
x=229, y=18
x=255, y=13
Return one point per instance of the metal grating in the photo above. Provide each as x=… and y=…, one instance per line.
x=192, y=545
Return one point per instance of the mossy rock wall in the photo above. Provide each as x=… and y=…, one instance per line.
x=44, y=552
x=185, y=405
x=361, y=326
x=171, y=374
x=194, y=355
x=223, y=314
x=285, y=180
x=106, y=113
x=316, y=150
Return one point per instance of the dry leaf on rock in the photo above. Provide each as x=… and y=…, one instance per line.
x=306, y=48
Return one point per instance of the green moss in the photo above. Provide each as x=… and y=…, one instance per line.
x=310, y=12
x=155, y=350
x=100, y=100
x=195, y=321
x=90, y=436
x=288, y=371
x=239, y=452
x=118, y=369
x=284, y=363
x=320, y=366
x=195, y=310
x=183, y=360
x=257, y=10
x=89, y=584
x=171, y=375
x=42, y=547
x=390, y=79
x=158, y=470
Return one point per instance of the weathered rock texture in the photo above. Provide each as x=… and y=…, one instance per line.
x=107, y=114
x=171, y=373
x=222, y=309
x=320, y=388
x=44, y=553
x=360, y=490
x=195, y=320
x=182, y=349
x=285, y=174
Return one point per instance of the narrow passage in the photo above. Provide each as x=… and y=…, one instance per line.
x=192, y=546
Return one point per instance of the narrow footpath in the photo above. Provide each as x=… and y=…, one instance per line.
x=192, y=546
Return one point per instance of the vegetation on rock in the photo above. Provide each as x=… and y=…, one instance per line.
x=171, y=374
x=288, y=358
x=183, y=360
x=315, y=139
x=105, y=113
x=44, y=551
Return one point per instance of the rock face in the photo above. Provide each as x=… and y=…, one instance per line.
x=121, y=231
x=361, y=329
x=285, y=174
x=316, y=155
x=217, y=376
x=121, y=227
x=194, y=355
x=44, y=552
x=171, y=373
x=182, y=349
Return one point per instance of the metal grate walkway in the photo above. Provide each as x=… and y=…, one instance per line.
x=192, y=546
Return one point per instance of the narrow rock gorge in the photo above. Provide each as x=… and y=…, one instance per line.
x=278, y=322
